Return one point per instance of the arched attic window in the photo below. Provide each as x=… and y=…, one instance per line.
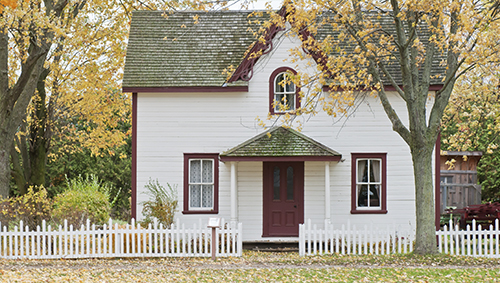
x=283, y=93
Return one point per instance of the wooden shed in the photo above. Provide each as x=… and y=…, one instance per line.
x=459, y=186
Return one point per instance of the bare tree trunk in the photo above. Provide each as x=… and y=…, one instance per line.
x=5, y=146
x=5, y=140
x=38, y=139
x=17, y=171
x=424, y=192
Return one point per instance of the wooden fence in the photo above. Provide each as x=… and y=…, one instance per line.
x=110, y=240
x=351, y=240
x=473, y=241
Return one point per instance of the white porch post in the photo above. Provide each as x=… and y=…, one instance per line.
x=234, y=195
x=327, y=192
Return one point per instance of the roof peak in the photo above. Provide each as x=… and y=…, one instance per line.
x=279, y=142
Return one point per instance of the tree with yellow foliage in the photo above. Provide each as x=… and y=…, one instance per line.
x=472, y=123
x=27, y=30
x=78, y=97
x=61, y=66
x=360, y=56
x=74, y=91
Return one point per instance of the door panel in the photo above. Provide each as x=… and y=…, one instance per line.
x=283, y=201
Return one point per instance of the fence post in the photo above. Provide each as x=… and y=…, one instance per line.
x=240, y=239
x=301, y=240
x=213, y=223
x=497, y=234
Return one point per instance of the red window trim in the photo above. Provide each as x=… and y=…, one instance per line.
x=383, y=198
x=271, y=90
x=215, y=157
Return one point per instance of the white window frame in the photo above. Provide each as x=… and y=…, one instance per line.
x=369, y=183
x=278, y=103
x=201, y=183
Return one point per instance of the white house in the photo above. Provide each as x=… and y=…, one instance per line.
x=195, y=128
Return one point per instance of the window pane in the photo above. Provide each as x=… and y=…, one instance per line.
x=362, y=195
x=195, y=171
x=279, y=100
x=446, y=179
x=374, y=195
x=290, y=101
x=362, y=171
x=276, y=183
x=194, y=195
x=289, y=183
x=207, y=171
x=375, y=171
x=207, y=196
x=278, y=83
x=290, y=86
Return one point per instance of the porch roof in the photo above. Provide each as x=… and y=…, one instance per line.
x=280, y=144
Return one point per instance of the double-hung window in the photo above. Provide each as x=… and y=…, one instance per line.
x=201, y=183
x=368, y=183
x=283, y=93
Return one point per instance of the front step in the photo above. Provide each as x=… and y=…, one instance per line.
x=271, y=247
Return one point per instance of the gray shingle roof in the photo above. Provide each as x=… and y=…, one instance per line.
x=278, y=142
x=387, y=26
x=170, y=50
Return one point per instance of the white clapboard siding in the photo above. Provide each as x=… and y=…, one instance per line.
x=349, y=239
x=171, y=124
x=110, y=240
x=473, y=241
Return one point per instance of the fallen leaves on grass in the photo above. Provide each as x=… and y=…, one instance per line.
x=257, y=267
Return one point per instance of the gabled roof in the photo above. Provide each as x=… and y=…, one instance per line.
x=386, y=23
x=172, y=50
x=280, y=143
x=192, y=49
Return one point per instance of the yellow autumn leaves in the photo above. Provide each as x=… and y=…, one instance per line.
x=7, y=3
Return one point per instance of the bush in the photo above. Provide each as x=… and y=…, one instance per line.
x=163, y=203
x=84, y=199
x=31, y=208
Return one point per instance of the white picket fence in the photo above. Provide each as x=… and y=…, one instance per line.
x=110, y=240
x=473, y=241
x=351, y=240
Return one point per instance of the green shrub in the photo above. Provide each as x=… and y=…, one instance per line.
x=31, y=208
x=163, y=204
x=83, y=199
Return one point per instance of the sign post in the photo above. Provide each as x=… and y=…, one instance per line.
x=213, y=223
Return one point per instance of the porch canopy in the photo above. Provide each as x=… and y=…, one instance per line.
x=280, y=144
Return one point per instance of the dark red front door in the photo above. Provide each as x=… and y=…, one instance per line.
x=283, y=198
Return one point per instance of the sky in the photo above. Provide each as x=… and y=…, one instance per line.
x=261, y=4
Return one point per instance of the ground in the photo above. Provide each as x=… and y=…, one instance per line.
x=257, y=267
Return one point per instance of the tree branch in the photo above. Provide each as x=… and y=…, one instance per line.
x=443, y=96
x=4, y=65
x=352, y=31
x=401, y=42
x=397, y=125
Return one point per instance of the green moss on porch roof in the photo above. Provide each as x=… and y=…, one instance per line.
x=280, y=141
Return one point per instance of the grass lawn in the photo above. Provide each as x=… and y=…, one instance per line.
x=257, y=267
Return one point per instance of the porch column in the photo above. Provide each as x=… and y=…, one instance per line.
x=234, y=194
x=327, y=192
